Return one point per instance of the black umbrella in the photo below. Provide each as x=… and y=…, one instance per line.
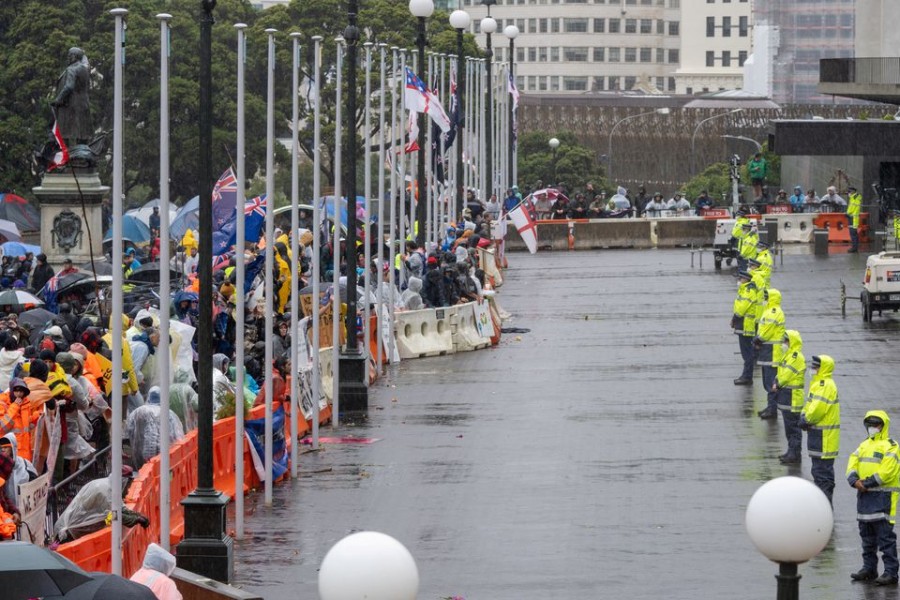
x=66, y=281
x=100, y=267
x=104, y=585
x=29, y=571
x=39, y=318
x=149, y=273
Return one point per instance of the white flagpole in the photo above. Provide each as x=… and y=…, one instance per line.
x=165, y=380
x=115, y=475
x=482, y=138
x=396, y=150
x=240, y=277
x=425, y=193
x=295, y=253
x=381, y=189
x=317, y=240
x=368, y=192
x=441, y=209
x=270, y=259
x=336, y=243
x=403, y=157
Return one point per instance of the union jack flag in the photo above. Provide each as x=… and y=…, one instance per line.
x=224, y=198
x=256, y=206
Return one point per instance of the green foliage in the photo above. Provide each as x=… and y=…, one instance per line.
x=714, y=180
x=575, y=164
x=37, y=34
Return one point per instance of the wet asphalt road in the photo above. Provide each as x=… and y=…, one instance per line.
x=605, y=454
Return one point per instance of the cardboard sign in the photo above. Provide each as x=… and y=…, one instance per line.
x=33, y=506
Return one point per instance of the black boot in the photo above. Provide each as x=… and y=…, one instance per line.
x=864, y=575
x=767, y=413
x=742, y=381
x=886, y=579
x=790, y=458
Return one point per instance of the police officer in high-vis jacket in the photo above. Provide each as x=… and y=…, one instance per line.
x=874, y=470
x=821, y=419
x=743, y=322
x=789, y=384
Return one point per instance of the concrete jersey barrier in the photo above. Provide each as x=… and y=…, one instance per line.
x=421, y=333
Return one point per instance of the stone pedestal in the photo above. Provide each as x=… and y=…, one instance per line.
x=354, y=395
x=206, y=549
x=71, y=215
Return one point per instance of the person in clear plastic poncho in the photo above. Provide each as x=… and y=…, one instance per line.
x=142, y=429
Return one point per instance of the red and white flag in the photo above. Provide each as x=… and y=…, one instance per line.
x=412, y=128
x=61, y=157
x=524, y=217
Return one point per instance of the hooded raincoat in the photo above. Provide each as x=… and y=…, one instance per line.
x=875, y=463
x=142, y=429
x=154, y=573
x=792, y=372
x=822, y=413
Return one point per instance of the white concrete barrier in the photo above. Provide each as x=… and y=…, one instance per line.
x=488, y=262
x=797, y=228
x=420, y=333
x=465, y=334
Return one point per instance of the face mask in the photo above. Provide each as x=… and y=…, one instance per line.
x=873, y=431
x=785, y=346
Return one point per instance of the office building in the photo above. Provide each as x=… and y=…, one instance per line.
x=715, y=43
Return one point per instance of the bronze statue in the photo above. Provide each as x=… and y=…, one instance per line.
x=71, y=103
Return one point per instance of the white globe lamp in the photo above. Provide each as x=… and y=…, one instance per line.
x=368, y=566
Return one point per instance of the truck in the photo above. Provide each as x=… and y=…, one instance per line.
x=881, y=285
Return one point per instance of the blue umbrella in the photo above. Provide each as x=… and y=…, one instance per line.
x=329, y=207
x=133, y=229
x=188, y=217
x=19, y=249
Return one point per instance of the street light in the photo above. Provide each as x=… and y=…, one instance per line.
x=421, y=9
x=554, y=144
x=697, y=128
x=352, y=369
x=489, y=26
x=205, y=549
x=511, y=31
x=789, y=520
x=659, y=111
x=459, y=20
x=744, y=139
x=369, y=565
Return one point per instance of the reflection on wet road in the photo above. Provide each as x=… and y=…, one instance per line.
x=605, y=454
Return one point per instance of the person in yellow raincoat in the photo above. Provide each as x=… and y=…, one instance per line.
x=129, y=377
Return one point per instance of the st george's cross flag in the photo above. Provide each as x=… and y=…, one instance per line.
x=524, y=217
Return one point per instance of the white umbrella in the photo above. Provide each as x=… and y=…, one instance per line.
x=9, y=231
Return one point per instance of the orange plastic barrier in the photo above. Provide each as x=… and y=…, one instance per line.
x=92, y=552
x=838, y=226
x=375, y=339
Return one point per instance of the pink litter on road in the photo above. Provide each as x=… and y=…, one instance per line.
x=341, y=440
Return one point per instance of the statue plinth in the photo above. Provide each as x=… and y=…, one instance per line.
x=71, y=215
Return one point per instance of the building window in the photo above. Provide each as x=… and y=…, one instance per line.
x=673, y=56
x=578, y=54
x=646, y=26
x=554, y=54
x=599, y=54
x=544, y=27
x=542, y=54
x=660, y=55
x=742, y=58
x=599, y=25
x=726, y=58
x=646, y=55
x=614, y=25
x=575, y=84
x=630, y=54
x=710, y=26
x=689, y=91
x=630, y=25
x=629, y=82
x=532, y=54
x=726, y=26
x=710, y=59
x=614, y=54
x=554, y=83
x=660, y=27
x=674, y=3
x=673, y=27
x=743, y=26
x=671, y=84
x=575, y=25
x=598, y=84
x=542, y=83
x=660, y=81
x=554, y=26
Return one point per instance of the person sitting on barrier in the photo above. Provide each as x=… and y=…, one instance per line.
x=597, y=205
x=560, y=208
x=154, y=573
x=832, y=201
x=704, y=202
x=679, y=204
x=797, y=199
x=411, y=298
x=468, y=291
x=142, y=429
x=619, y=202
x=655, y=207
x=413, y=261
x=781, y=197
x=434, y=289
x=811, y=202
x=578, y=207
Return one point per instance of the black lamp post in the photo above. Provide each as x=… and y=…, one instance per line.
x=511, y=31
x=421, y=9
x=460, y=20
x=352, y=383
x=205, y=549
x=489, y=26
